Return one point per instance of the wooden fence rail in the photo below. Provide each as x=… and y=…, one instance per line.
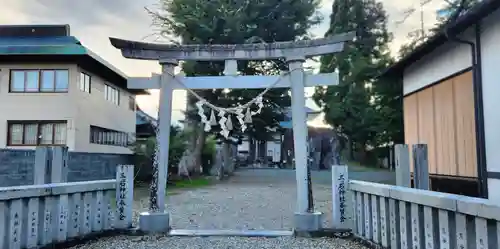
x=39, y=215
x=402, y=218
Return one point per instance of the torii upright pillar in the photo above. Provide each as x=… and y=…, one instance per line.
x=306, y=219
x=299, y=125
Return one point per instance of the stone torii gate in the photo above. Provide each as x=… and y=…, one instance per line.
x=295, y=53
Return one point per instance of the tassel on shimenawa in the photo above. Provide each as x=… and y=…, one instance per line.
x=213, y=120
x=248, y=116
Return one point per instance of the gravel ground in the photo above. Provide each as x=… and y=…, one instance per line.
x=220, y=243
x=251, y=199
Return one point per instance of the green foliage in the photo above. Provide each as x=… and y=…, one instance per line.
x=208, y=154
x=191, y=183
x=209, y=148
x=145, y=149
x=361, y=107
x=176, y=149
x=236, y=22
x=407, y=48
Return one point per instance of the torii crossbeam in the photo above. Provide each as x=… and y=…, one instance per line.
x=295, y=54
x=233, y=82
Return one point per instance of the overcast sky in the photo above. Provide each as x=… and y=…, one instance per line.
x=94, y=21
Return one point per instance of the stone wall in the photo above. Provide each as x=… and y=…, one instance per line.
x=16, y=166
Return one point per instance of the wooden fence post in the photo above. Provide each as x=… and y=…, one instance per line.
x=124, y=195
x=402, y=161
x=340, y=183
x=421, y=166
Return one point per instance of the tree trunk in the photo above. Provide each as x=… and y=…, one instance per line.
x=262, y=151
x=228, y=158
x=198, y=150
x=351, y=149
x=191, y=159
x=251, y=150
x=218, y=165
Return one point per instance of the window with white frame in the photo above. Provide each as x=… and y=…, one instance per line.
x=112, y=94
x=85, y=82
x=35, y=80
x=33, y=133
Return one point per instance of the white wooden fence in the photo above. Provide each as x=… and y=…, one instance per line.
x=400, y=217
x=38, y=215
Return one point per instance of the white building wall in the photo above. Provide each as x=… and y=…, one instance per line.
x=94, y=109
x=441, y=63
x=79, y=108
x=274, y=150
x=36, y=106
x=490, y=53
x=244, y=146
x=453, y=57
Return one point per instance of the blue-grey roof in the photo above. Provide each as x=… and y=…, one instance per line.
x=309, y=111
x=287, y=124
x=144, y=118
x=38, y=41
x=53, y=45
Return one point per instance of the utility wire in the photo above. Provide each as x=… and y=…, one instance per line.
x=410, y=11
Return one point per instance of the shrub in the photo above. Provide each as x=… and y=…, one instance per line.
x=144, y=153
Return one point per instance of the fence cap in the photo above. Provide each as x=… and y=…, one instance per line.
x=28, y=191
x=457, y=203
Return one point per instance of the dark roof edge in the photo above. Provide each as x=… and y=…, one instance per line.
x=476, y=13
x=115, y=70
x=142, y=112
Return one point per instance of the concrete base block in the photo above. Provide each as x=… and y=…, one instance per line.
x=218, y=232
x=308, y=222
x=154, y=222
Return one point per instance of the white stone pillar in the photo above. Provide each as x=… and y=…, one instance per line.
x=165, y=117
x=306, y=220
x=403, y=175
x=340, y=183
x=42, y=161
x=59, y=169
x=157, y=220
x=124, y=196
x=299, y=130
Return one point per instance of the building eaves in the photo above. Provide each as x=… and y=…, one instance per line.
x=57, y=45
x=480, y=11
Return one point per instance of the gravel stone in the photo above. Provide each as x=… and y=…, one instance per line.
x=124, y=242
x=251, y=199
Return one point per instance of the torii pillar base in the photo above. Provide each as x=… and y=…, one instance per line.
x=308, y=222
x=157, y=222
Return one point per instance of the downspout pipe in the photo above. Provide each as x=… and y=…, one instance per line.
x=478, y=102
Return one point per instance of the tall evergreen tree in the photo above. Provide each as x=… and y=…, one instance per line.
x=236, y=22
x=353, y=107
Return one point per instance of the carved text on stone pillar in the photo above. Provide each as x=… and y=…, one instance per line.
x=122, y=189
x=341, y=194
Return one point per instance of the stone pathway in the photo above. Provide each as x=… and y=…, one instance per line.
x=252, y=199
